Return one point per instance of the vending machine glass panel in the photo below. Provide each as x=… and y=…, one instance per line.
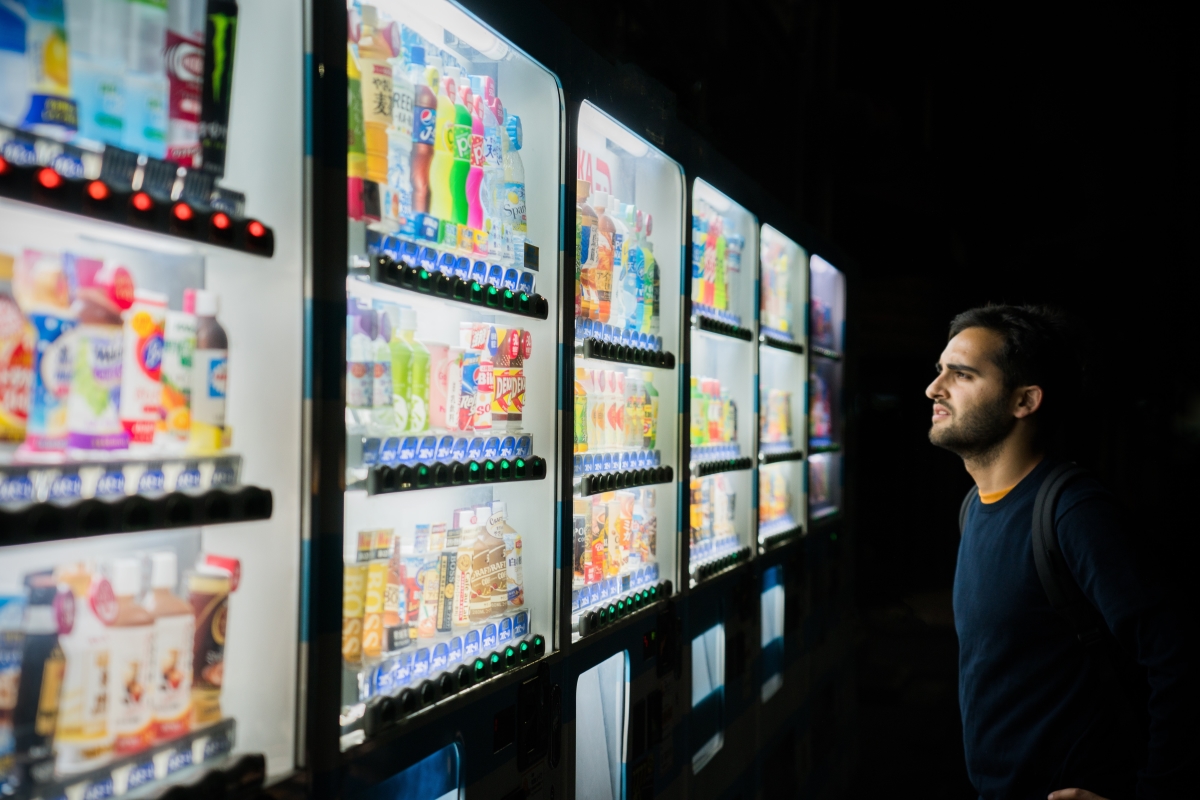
x=629, y=214
x=722, y=439
x=772, y=631
x=706, y=723
x=782, y=361
x=435, y=777
x=828, y=307
x=601, y=706
x=451, y=354
x=151, y=390
x=824, y=485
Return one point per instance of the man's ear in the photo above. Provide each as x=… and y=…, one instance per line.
x=1026, y=400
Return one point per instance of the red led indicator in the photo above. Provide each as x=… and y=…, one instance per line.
x=142, y=201
x=3, y=165
x=183, y=212
x=220, y=221
x=49, y=178
x=98, y=191
x=255, y=228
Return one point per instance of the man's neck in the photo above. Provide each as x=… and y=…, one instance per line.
x=1004, y=467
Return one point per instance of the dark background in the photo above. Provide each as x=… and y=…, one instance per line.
x=961, y=153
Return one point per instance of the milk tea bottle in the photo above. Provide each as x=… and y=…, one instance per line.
x=174, y=631
x=131, y=637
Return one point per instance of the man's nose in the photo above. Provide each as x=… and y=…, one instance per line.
x=934, y=390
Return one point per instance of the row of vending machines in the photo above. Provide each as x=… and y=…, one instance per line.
x=397, y=402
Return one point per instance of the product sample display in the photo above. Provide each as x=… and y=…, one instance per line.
x=628, y=201
x=722, y=375
x=451, y=363
x=151, y=393
x=782, y=359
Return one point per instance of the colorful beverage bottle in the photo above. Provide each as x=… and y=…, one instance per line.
x=461, y=168
x=130, y=670
x=650, y=413
x=418, y=383
x=581, y=412
x=424, y=132
x=586, y=246
x=441, y=196
x=401, y=352
x=16, y=359
x=98, y=33
x=210, y=372
x=93, y=407
x=383, y=414
x=356, y=144
x=146, y=87
x=141, y=369
x=174, y=637
x=515, y=227
x=398, y=192
x=475, y=174
x=185, y=76
x=492, y=193
x=604, y=258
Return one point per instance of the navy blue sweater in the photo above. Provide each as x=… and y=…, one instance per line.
x=1037, y=707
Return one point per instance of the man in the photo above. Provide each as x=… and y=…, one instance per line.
x=1043, y=714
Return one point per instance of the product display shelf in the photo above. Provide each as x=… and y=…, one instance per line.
x=612, y=609
x=490, y=297
x=711, y=325
x=701, y=469
x=825, y=352
x=101, y=188
x=718, y=561
x=172, y=762
x=409, y=697
x=771, y=455
x=816, y=446
x=42, y=502
x=600, y=350
x=438, y=475
x=779, y=343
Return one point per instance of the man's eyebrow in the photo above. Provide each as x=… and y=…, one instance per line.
x=962, y=368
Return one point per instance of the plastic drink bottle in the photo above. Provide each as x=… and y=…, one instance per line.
x=461, y=168
x=475, y=174
x=383, y=414
x=376, y=90
x=594, y=386
x=210, y=372
x=635, y=400
x=633, y=286
x=99, y=35
x=424, y=133
x=585, y=255
x=492, y=191
x=146, y=85
x=130, y=671
x=699, y=413
x=83, y=734
x=185, y=72
x=16, y=359
x=141, y=368
x=401, y=351
x=514, y=188
x=653, y=297
x=650, y=411
x=356, y=144
x=616, y=410
x=174, y=638
x=581, y=413
x=442, y=199
x=398, y=191
x=604, y=258
x=93, y=406
x=418, y=382
x=51, y=110
x=360, y=373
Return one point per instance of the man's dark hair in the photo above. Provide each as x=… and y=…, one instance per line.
x=1040, y=348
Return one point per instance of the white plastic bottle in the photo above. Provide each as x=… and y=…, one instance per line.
x=83, y=735
x=141, y=368
x=515, y=227
x=210, y=372
x=98, y=31
x=146, y=87
x=130, y=674
x=174, y=641
x=360, y=370
x=397, y=199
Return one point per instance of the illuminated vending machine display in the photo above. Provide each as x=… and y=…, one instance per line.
x=628, y=212
x=451, y=360
x=782, y=369
x=151, y=379
x=827, y=313
x=722, y=372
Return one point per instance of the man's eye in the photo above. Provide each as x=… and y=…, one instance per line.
x=962, y=375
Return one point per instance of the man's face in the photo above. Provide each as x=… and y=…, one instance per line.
x=971, y=413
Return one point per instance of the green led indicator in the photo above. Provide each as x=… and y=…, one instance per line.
x=520, y=463
x=504, y=463
x=509, y=652
x=524, y=646
x=424, y=274
x=508, y=294
x=493, y=290
x=495, y=658
x=474, y=466
x=480, y=665
x=612, y=610
x=537, y=640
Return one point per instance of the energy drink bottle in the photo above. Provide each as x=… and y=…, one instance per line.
x=461, y=168
x=442, y=198
x=475, y=173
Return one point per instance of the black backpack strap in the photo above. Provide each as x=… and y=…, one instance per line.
x=1059, y=585
x=962, y=510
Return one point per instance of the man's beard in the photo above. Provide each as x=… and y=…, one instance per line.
x=978, y=433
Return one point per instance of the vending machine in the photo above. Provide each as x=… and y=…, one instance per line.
x=151, y=383
x=450, y=419
x=723, y=443
x=625, y=674
x=827, y=322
